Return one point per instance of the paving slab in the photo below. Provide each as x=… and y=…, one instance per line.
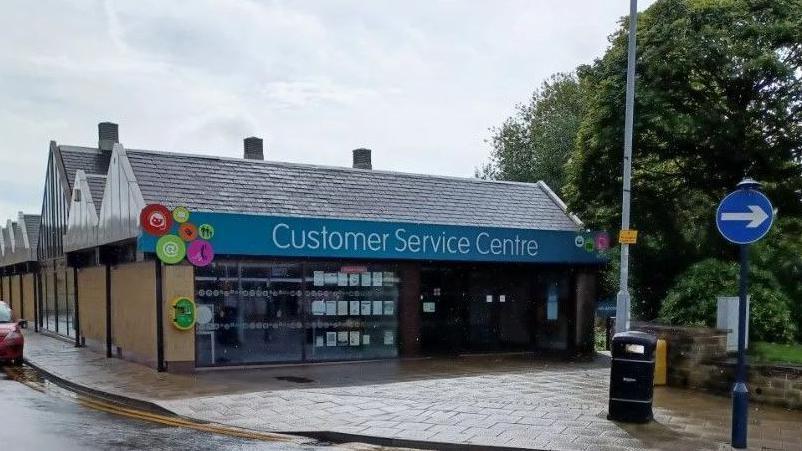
x=504, y=401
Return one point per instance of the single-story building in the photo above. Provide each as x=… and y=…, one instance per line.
x=183, y=261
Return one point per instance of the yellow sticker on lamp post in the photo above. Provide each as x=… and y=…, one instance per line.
x=628, y=236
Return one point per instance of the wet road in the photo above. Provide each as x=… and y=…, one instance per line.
x=52, y=419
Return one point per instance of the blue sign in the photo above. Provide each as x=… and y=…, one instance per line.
x=241, y=234
x=744, y=216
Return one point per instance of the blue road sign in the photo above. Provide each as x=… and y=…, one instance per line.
x=744, y=216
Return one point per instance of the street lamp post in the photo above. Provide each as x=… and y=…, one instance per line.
x=622, y=307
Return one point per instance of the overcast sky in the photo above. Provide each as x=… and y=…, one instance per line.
x=419, y=82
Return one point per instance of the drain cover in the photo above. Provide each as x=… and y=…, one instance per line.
x=296, y=379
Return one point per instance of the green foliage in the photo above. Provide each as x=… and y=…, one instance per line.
x=780, y=252
x=535, y=143
x=692, y=301
x=718, y=97
x=776, y=353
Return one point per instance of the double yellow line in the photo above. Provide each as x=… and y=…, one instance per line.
x=116, y=409
x=180, y=422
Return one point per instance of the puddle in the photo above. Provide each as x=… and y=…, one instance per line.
x=296, y=379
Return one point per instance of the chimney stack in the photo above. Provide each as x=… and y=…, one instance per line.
x=362, y=159
x=254, y=148
x=108, y=134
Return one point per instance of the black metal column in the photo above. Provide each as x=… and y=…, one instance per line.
x=160, y=366
x=108, y=310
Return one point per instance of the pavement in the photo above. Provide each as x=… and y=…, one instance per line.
x=479, y=402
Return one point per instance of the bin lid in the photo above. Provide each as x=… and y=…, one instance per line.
x=635, y=336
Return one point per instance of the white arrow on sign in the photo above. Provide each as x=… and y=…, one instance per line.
x=756, y=216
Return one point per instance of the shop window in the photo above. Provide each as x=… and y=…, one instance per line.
x=262, y=312
x=353, y=311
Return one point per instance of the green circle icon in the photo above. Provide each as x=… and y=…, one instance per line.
x=181, y=214
x=206, y=231
x=183, y=313
x=589, y=245
x=170, y=249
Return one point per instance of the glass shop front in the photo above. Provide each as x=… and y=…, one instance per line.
x=257, y=311
x=277, y=311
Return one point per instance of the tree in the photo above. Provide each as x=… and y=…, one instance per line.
x=718, y=97
x=692, y=301
x=535, y=143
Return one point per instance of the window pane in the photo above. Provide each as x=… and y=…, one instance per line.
x=249, y=312
x=352, y=311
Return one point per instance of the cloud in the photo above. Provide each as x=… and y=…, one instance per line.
x=420, y=82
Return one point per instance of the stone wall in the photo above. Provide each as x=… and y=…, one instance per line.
x=697, y=359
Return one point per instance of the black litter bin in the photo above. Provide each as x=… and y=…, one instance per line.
x=632, y=377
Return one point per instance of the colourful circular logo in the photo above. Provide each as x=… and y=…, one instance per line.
x=206, y=231
x=156, y=219
x=187, y=231
x=183, y=313
x=170, y=249
x=602, y=242
x=200, y=253
x=180, y=214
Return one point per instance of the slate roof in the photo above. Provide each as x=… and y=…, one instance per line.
x=97, y=184
x=89, y=159
x=207, y=183
x=32, y=227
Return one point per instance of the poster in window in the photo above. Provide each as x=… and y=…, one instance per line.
x=365, y=311
x=502, y=298
x=331, y=338
x=389, y=308
x=365, y=339
x=331, y=308
x=552, y=303
x=318, y=278
x=342, y=308
x=377, y=307
x=489, y=298
x=330, y=278
x=342, y=337
x=342, y=279
x=353, y=308
x=378, y=279
x=353, y=337
x=365, y=277
x=353, y=279
x=318, y=308
x=389, y=337
x=319, y=341
x=428, y=307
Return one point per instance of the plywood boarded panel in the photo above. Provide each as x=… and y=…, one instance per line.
x=28, y=298
x=179, y=345
x=92, y=306
x=133, y=310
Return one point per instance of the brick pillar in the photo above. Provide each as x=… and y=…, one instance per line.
x=409, y=321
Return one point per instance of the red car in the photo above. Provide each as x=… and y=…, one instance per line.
x=11, y=340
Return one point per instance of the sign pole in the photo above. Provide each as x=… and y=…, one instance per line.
x=623, y=299
x=743, y=217
x=740, y=392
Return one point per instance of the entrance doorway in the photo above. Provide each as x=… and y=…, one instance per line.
x=478, y=308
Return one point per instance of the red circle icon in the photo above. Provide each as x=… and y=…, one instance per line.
x=187, y=231
x=156, y=219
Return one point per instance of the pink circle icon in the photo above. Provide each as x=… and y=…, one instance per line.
x=200, y=252
x=602, y=242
